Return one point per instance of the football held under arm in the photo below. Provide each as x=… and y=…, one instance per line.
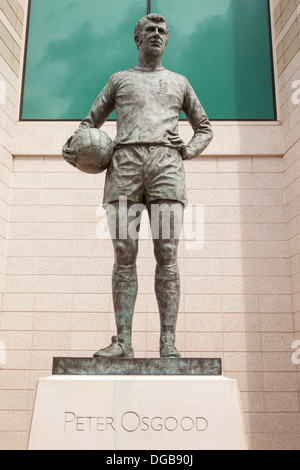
x=198, y=119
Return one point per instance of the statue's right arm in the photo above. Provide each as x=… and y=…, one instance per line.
x=101, y=109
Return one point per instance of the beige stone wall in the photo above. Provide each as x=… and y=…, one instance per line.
x=287, y=15
x=11, y=26
x=239, y=293
x=11, y=32
x=11, y=19
x=286, y=32
x=236, y=301
x=11, y=16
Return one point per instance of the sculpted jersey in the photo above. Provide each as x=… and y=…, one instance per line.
x=148, y=105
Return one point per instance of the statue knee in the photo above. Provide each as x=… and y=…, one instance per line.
x=125, y=253
x=166, y=254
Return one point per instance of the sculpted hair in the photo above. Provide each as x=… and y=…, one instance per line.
x=141, y=24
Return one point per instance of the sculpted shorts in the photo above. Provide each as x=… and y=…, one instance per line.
x=144, y=174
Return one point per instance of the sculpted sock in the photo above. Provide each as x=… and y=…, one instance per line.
x=167, y=290
x=124, y=288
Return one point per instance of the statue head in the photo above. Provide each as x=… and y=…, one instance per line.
x=152, y=31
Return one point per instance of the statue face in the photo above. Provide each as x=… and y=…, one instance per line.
x=154, y=38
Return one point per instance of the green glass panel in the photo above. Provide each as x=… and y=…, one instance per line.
x=223, y=48
x=74, y=46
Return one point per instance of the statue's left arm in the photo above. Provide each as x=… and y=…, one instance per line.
x=198, y=119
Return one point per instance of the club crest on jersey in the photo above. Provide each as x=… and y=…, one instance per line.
x=163, y=86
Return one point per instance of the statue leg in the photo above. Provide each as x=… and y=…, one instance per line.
x=124, y=284
x=167, y=279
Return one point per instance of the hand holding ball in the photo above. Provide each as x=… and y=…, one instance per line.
x=90, y=150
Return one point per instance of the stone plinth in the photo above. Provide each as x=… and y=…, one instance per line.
x=123, y=366
x=136, y=412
